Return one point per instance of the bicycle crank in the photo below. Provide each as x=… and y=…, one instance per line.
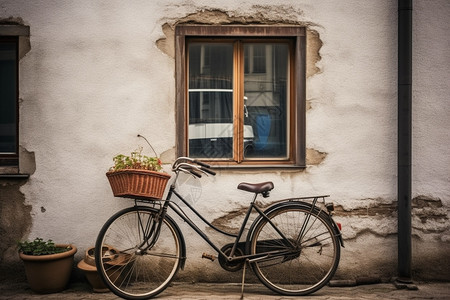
x=234, y=265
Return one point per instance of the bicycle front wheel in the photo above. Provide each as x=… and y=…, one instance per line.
x=304, y=250
x=133, y=259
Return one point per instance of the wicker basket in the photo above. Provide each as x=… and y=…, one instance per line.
x=138, y=184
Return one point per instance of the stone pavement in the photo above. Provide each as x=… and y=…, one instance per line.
x=210, y=291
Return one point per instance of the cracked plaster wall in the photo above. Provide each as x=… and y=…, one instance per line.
x=100, y=72
x=15, y=213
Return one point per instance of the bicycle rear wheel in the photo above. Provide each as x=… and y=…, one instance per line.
x=311, y=250
x=127, y=268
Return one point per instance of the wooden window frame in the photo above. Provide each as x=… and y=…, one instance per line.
x=297, y=151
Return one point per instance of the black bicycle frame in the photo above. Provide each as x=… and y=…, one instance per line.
x=151, y=235
x=180, y=212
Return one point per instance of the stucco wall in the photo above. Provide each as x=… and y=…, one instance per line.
x=100, y=72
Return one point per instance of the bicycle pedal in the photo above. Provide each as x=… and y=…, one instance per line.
x=208, y=256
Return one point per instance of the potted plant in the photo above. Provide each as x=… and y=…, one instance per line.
x=47, y=265
x=137, y=176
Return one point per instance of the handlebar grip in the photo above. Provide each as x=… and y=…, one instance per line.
x=207, y=170
x=196, y=174
x=202, y=164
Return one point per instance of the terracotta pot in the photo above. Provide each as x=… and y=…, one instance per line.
x=87, y=265
x=92, y=277
x=49, y=273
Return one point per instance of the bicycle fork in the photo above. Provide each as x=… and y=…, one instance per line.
x=150, y=230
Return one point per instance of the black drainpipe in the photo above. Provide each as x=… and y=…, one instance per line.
x=404, y=139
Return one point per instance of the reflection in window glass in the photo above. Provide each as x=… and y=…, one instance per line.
x=266, y=104
x=263, y=118
x=210, y=100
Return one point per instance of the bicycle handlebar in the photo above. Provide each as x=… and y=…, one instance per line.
x=201, y=164
x=192, y=166
x=209, y=171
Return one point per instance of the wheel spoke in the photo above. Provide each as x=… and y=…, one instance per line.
x=305, y=267
x=130, y=272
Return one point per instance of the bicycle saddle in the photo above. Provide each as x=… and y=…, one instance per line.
x=263, y=187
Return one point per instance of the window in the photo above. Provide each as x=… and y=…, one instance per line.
x=241, y=94
x=8, y=101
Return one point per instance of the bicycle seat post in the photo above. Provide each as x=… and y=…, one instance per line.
x=254, y=198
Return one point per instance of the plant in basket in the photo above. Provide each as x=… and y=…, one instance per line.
x=137, y=176
x=136, y=161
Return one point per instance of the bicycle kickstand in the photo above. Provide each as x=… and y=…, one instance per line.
x=243, y=279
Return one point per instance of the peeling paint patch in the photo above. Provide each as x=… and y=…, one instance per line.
x=27, y=161
x=313, y=45
x=167, y=44
x=265, y=15
x=429, y=215
x=315, y=157
x=15, y=218
x=377, y=218
x=428, y=208
x=231, y=221
x=374, y=209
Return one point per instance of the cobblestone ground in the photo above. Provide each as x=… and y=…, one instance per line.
x=209, y=291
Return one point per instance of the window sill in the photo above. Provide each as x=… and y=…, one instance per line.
x=12, y=172
x=14, y=176
x=258, y=167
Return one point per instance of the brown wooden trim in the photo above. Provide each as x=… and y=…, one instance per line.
x=241, y=30
x=239, y=96
x=292, y=104
x=249, y=164
x=180, y=92
x=300, y=82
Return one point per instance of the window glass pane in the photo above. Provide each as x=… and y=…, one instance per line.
x=259, y=58
x=266, y=109
x=8, y=116
x=210, y=98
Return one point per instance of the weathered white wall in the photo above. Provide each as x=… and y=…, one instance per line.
x=94, y=78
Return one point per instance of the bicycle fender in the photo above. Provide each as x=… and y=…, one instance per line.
x=337, y=232
x=183, y=243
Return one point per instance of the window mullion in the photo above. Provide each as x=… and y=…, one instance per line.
x=238, y=71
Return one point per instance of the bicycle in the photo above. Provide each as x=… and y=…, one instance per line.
x=293, y=246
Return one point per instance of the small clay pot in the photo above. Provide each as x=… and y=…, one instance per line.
x=87, y=265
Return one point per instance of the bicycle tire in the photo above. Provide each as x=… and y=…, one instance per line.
x=308, y=264
x=127, y=272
